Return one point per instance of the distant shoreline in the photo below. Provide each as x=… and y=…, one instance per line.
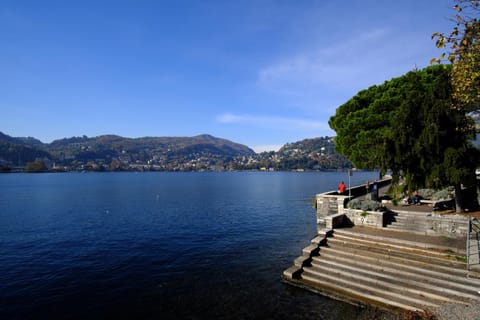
x=180, y=171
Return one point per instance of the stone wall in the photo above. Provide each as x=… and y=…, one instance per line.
x=451, y=225
x=328, y=205
x=366, y=218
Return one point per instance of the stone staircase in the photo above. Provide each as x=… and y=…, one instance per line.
x=425, y=222
x=384, y=270
x=408, y=221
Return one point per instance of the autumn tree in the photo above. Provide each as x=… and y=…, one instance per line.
x=36, y=166
x=407, y=125
x=464, y=54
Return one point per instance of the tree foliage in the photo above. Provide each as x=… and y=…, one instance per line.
x=36, y=166
x=463, y=44
x=466, y=80
x=407, y=125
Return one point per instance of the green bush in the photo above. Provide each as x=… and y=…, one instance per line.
x=432, y=194
x=354, y=204
x=426, y=193
x=364, y=205
x=441, y=195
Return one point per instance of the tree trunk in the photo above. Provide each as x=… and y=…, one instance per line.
x=458, y=198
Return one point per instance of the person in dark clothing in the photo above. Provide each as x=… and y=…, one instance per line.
x=375, y=191
x=416, y=198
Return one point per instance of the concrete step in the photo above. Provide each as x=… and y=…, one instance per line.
x=406, y=212
x=421, y=222
x=407, y=276
x=437, y=258
x=411, y=224
x=400, y=292
x=409, y=220
x=411, y=214
x=420, y=230
x=426, y=216
x=414, y=229
x=352, y=295
x=318, y=276
x=400, y=226
x=399, y=265
x=405, y=239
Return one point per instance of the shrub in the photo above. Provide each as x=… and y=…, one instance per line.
x=370, y=205
x=441, y=195
x=364, y=205
x=355, y=204
x=426, y=193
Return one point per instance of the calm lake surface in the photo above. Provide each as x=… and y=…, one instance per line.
x=160, y=245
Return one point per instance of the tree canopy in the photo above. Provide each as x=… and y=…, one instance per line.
x=407, y=125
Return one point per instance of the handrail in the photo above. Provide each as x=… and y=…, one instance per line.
x=469, y=232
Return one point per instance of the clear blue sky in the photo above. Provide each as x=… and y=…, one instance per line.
x=261, y=73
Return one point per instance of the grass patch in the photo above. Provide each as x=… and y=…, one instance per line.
x=458, y=258
x=364, y=214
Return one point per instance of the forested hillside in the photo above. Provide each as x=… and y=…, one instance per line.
x=198, y=153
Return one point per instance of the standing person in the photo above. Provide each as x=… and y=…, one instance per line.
x=375, y=191
x=341, y=188
x=406, y=198
x=367, y=190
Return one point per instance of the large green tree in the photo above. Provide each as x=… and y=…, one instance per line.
x=407, y=125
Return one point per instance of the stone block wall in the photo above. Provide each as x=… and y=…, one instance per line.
x=447, y=225
x=328, y=205
x=366, y=218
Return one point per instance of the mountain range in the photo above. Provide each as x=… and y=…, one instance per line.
x=202, y=152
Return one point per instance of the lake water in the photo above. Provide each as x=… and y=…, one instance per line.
x=160, y=245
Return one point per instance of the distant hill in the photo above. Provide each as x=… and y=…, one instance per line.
x=161, y=144
x=19, y=151
x=102, y=150
x=308, y=154
x=146, y=148
x=198, y=153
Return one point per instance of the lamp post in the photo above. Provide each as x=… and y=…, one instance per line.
x=349, y=187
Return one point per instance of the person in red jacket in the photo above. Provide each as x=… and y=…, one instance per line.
x=341, y=188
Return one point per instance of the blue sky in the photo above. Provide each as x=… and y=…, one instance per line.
x=261, y=73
